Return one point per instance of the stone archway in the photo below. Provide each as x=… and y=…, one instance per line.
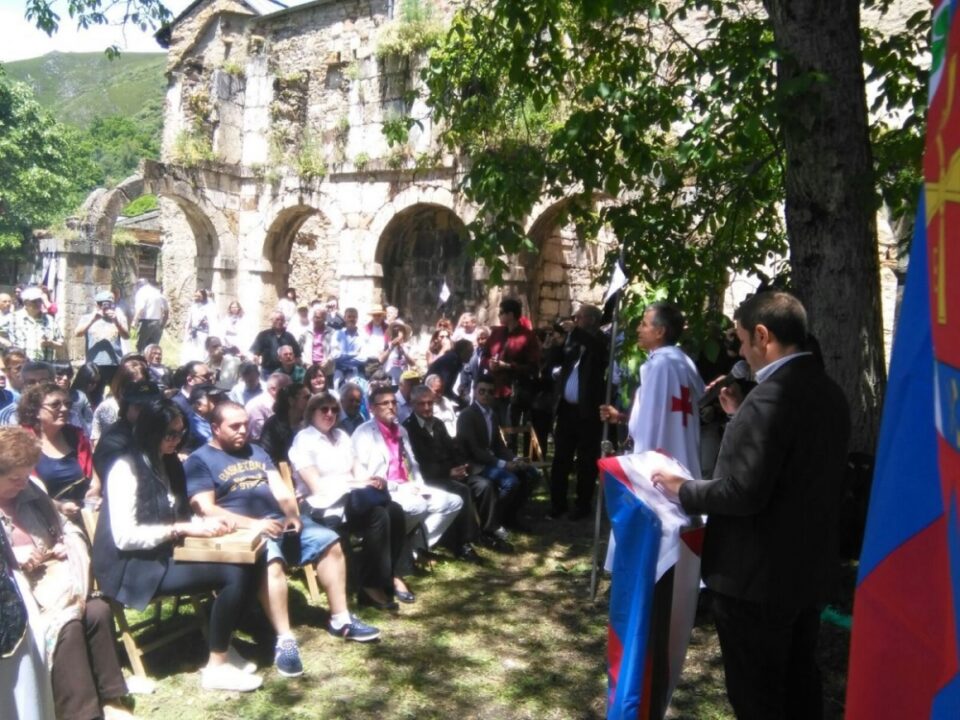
x=563, y=270
x=419, y=249
x=298, y=252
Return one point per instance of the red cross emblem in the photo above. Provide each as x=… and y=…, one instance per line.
x=682, y=404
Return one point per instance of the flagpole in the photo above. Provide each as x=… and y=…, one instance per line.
x=606, y=447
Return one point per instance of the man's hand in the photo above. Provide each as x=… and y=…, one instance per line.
x=293, y=524
x=609, y=414
x=459, y=472
x=270, y=527
x=731, y=397
x=377, y=482
x=70, y=509
x=669, y=483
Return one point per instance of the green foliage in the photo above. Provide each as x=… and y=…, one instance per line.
x=309, y=161
x=117, y=144
x=144, y=203
x=673, y=145
x=234, y=68
x=43, y=170
x=416, y=29
x=361, y=161
x=192, y=147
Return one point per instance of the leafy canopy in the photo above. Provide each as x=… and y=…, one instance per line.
x=670, y=139
x=44, y=171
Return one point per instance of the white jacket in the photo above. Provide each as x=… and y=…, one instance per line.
x=371, y=451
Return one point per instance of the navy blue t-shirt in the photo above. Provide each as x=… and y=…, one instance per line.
x=238, y=480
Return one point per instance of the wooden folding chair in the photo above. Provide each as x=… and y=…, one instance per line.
x=309, y=571
x=166, y=630
x=534, y=450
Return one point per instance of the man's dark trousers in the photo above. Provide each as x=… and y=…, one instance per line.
x=575, y=436
x=149, y=333
x=769, y=659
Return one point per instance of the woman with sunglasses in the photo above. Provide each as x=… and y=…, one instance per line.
x=328, y=477
x=145, y=512
x=65, y=466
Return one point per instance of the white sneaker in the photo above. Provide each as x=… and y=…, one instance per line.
x=501, y=534
x=227, y=677
x=240, y=662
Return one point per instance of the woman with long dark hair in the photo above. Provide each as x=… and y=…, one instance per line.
x=287, y=419
x=145, y=512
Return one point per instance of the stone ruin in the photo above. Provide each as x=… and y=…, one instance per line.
x=276, y=172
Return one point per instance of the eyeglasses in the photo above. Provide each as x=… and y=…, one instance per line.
x=58, y=405
x=327, y=410
x=174, y=434
x=205, y=376
x=385, y=403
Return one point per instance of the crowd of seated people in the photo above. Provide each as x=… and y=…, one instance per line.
x=387, y=465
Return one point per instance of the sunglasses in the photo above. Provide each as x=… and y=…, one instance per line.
x=57, y=405
x=327, y=410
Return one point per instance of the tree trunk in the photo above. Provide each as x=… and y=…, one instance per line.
x=830, y=209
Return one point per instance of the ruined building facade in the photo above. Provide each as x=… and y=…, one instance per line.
x=275, y=172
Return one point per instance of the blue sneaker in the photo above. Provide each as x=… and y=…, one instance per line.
x=356, y=630
x=287, y=658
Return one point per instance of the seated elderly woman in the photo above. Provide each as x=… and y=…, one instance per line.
x=144, y=513
x=74, y=630
x=133, y=368
x=65, y=465
x=338, y=495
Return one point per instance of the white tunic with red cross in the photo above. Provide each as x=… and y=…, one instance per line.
x=666, y=413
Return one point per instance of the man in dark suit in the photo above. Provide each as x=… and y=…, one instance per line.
x=442, y=463
x=579, y=395
x=478, y=432
x=449, y=366
x=770, y=549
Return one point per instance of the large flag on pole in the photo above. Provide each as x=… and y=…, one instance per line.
x=653, y=596
x=905, y=648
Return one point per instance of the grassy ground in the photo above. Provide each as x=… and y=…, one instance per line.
x=515, y=639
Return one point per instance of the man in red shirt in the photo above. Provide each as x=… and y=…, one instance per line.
x=512, y=357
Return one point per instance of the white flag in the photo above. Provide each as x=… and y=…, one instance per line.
x=444, y=293
x=617, y=281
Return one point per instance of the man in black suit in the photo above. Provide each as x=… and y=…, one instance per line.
x=770, y=549
x=442, y=463
x=449, y=366
x=579, y=395
x=478, y=432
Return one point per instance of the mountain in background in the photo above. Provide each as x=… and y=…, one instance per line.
x=81, y=87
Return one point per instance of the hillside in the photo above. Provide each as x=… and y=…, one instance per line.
x=80, y=87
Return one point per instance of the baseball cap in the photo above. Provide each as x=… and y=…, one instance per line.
x=30, y=294
x=409, y=375
x=103, y=296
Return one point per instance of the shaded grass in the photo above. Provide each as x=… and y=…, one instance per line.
x=516, y=639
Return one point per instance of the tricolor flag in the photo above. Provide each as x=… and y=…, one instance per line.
x=905, y=648
x=653, y=596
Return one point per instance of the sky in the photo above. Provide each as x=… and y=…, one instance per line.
x=20, y=40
